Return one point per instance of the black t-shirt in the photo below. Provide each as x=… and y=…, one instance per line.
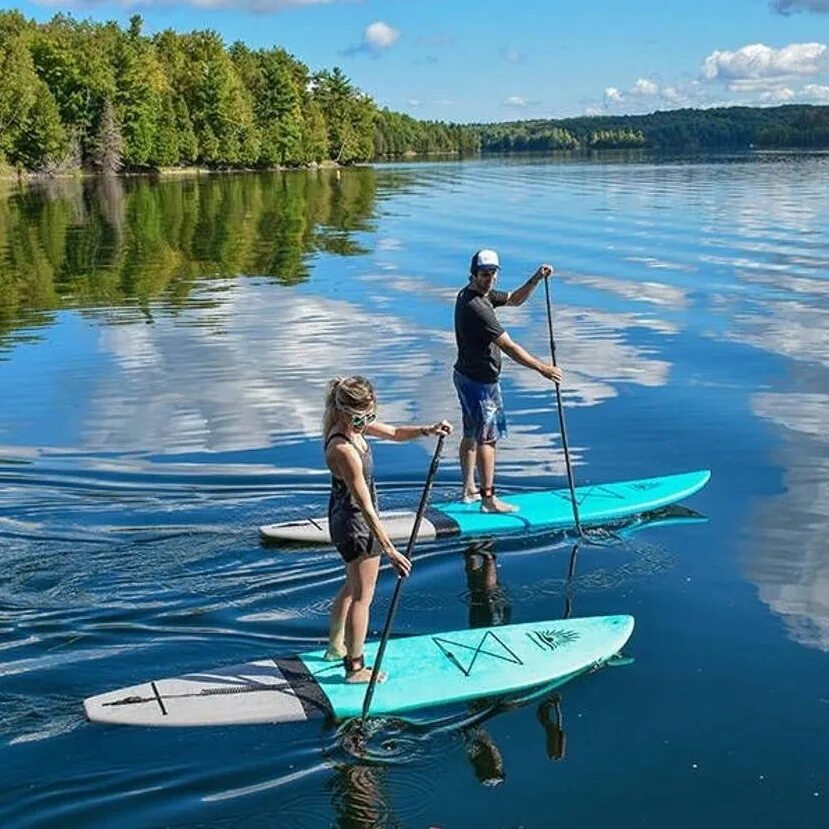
x=476, y=329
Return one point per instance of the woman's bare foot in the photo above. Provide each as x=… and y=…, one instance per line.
x=363, y=676
x=357, y=672
x=493, y=504
x=470, y=496
x=335, y=653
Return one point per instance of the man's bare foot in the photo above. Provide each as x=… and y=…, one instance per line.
x=335, y=653
x=363, y=676
x=494, y=504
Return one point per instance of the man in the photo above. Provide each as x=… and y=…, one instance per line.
x=481, y=339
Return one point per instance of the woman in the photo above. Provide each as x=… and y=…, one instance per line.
x=356, y=529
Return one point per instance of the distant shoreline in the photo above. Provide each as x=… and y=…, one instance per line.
x=26, y=176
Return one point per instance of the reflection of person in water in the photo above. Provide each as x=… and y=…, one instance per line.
x=549, y=715
x=489, y=605
x=358, y=797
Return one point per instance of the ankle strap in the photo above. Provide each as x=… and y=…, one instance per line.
x=487, y=492
x=353, y=665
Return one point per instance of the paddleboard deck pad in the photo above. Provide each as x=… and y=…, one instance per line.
x=548, y=509
x=423, y=671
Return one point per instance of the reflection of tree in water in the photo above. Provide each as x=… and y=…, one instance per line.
x=73, y=243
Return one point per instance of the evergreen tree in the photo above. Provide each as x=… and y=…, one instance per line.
x=167, y=149
x=18, y=82
x=43, y=143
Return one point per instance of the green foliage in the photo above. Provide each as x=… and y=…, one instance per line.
x=314, y=136
x=218, y=103
x=271, y=81
x=43, y=143
x=168, y=140
x=135, y=239
x=181, y=99
x=141, y=91
x=685, y=129
x=72, y=58
x=19, y=84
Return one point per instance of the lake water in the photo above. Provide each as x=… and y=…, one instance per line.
x=163, y=353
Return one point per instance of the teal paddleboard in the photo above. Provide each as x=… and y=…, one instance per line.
x=423, y=671
x=598, y=504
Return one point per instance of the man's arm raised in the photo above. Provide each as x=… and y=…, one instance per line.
x=520, y=296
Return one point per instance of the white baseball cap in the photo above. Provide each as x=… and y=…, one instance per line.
x=485, y=259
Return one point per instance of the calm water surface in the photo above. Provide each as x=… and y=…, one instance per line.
x=163, y=353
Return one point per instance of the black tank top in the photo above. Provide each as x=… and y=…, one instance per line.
x=341, y=498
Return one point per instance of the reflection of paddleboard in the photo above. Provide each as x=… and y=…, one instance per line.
x=548, y=509
x=423, y=671
x=674, y=515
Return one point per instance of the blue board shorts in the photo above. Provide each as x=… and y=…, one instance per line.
x=484, y=418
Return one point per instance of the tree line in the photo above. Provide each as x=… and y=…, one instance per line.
x=78, y=94
x=81, y=94
x=794, y=126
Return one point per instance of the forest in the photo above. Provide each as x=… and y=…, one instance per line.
x=791, y=126
x=79, y=95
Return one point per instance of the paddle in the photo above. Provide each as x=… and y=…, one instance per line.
x=562, y=428
x=424, y=498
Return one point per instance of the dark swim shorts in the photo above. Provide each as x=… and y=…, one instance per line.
x=484, y=418
x=352, y=536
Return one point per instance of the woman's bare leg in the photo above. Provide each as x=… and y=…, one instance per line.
x=362, y=579
x=336, y=628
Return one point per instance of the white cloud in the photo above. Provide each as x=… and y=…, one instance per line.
x=778, y=95
x=644, y=87
x=816, y=93
x=791, y=6
x=755, y=74
x=514, y=101
x=755, y=65
x=413, y=102
x=380, y=35
x=646, y=94
x=377, y=37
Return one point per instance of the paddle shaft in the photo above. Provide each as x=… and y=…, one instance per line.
x=395, y=599
x=562, y=427
x=568, y=587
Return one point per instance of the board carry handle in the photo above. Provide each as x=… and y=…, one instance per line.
x=562, y=428
x=424, y=500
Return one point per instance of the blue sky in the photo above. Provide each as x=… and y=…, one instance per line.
x=496, y=60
